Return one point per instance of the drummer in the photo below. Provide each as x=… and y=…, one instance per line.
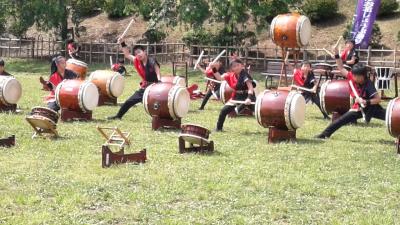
x=369, y=97
x=304, y=77
x=119, y=67
x=2, y=68
x=213, y=71
x=73, y=49
x=349, y=55
x=148, y=70
x=58, y=64
x=242, y=84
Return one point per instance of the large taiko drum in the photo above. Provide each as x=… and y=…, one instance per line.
x=10, y=90
x=225, y=92
x=194, y=133
x=335, y=96
x=79, y=67
x=291, y=30
x=280, y=109
x=393, y=117
x=110, y=83
x=77, y=95
x=166, y=100
x=177, y=80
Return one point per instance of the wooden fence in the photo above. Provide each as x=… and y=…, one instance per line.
x=96, y=52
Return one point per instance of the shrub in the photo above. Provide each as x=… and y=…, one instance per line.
x=376, y=36
x=320, y=9
x=197, y=37
x=388, y=7
x=118, y=8
x=154, y=36
x=146, y=7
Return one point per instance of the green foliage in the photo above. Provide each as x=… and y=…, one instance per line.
x=119, y=8
x=231, y=13
x=154, y=35
x=318, y=10
x=83, y=8
x=198, y=36
x=234, y=38
x=347, y=31
x=265, y=11
x=146, y=8
x=398, y=36
x=376, y=36
x=21, y=16
x=193, y=12
x=388, y=7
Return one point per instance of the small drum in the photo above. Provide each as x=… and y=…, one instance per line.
x=10, y=90
x=77, y=95
x=109, y=83
x=393, y=117
x=280, y=109
x=79, y=67
x=225, y=92
x=166, y=100
x=291, y=30
x=335, y=96
x=194, y=134
x=177, y=80
x=42, y=113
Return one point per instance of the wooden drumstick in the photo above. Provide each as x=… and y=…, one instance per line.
x=219, y=56
x=213, y=80
x=287, y=56
x=357, y=96
x=240, y=102
x=328, y=52
x=198, y=60
x=337, y=43
x=111, y=63
x=127, y=28
x=303, y=89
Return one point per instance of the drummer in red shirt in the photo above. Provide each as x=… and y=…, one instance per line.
x=304, y=77
x=73, y=49
x=349, y=55
x=368, y=96
x=56, y=78
x=148, y=70
x=242, y=84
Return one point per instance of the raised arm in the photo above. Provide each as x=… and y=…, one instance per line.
x=125, y=50
x=339, y=63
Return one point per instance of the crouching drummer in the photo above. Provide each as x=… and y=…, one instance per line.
x=367, y=96
x=213, y=71
x=148, y=70
x=243, y=85
x=59, y=73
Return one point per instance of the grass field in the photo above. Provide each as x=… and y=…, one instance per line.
x=352, y=178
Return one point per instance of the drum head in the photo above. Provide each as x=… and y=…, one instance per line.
x=257, y=107
x=297, y=110
x=41, y=122
x=388, y=118
x=12, y=91
x=180, y=81
x=89, y=96
x=180, y=98
x=117, y=85
x=194, y=139
x=304, y=30
x=77, y=62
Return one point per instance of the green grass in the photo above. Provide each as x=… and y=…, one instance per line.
x=353, y=178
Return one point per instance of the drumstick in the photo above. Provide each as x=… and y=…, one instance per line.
x=303, y=89
x=328, y=52
x=287, y=56
x=111, y=64
x=127, y=28
x=337, y=43
x=241, y=102
x=213, y=80
x=219, y=56
x=356, y=95
x=198, y=60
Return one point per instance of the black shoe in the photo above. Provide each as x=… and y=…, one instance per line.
x=113, y=118
x=327, y=118
x=201, y=108
x=218, y=130
x=322, y=136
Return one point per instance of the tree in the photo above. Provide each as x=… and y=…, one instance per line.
x=193, y=12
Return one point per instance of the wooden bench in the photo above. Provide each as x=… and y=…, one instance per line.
x=273, y=74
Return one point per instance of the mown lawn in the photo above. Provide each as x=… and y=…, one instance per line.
x=353, y=178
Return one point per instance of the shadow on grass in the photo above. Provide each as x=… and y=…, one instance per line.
x=304, y=141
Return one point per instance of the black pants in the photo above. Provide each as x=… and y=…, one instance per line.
x=53, y=105
x=137, y=97
x=375, y=111
x=229, y=108
x=314, y=98
x=209, y=94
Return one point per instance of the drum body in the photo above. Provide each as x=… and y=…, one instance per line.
x=194, y=133
x=110, y=83
x=77, y=95
x=166, y=100
x=176, y=80
x=42, y=112
x=291, y=30
x=225, y=92
x=10, y=90
x=393, y=117
x=335, y=96
x=79, y=67
x=280, y=109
